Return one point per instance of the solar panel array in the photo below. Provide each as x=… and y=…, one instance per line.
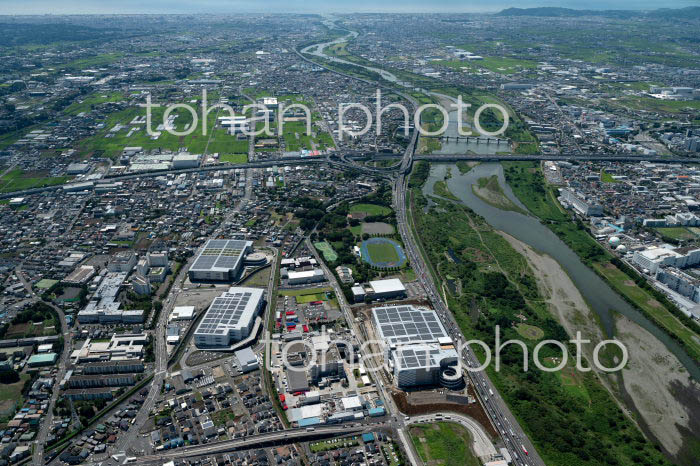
x=412, y=357
x=226, y=312
x=220, y=254
x=406, y=324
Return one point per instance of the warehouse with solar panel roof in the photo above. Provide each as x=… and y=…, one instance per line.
x=417, y=348
x=230, y=318
x=220, y=260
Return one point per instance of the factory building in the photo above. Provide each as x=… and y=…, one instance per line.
x=230, y=318
x=391, y=288
x=305, y=277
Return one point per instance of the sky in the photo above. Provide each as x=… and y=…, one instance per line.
x=311, y=6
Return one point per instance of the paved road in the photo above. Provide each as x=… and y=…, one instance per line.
x=514, y=438
x=47, y=421
x=287, y=436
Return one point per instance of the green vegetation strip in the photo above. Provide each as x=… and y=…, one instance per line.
x=443, y=443
x=573, y=420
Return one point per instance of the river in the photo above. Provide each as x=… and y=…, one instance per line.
x=602, y=299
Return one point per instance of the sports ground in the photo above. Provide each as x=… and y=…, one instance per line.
x=383, y=253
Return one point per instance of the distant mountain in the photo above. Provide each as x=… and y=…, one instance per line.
x=691, y=12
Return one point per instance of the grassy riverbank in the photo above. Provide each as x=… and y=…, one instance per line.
x=571, y=420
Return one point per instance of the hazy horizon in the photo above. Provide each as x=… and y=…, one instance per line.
x=57, y=7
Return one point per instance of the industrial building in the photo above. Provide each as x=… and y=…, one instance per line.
x=230, y=317
x=247, y=360
x=305, y=277
x=220, y=260
x=417, y=347
x=654, y=257
x=582, y=206
x=391, y=288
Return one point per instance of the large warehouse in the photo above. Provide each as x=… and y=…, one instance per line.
x=416, y=346
x=220, y=260
x=230, y=318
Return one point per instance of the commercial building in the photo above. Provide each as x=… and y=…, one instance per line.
x=40, y=360
x=220, y=260
x=230, y=317
x=123, y=347
x=182, y=313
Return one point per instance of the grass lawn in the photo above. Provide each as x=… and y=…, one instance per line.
x=443, y=443
x=370, y=209
x=327, y=250
x=382, y=252
x=46, y=283
x=606, y=177
x=502, y=65
x=221, y=417
x=622, y=283
x=304, y=292
x=530, y=331
x=311, y=297
x=658, y=105
x=11, y=395
x=234, y=158
x=677, y=233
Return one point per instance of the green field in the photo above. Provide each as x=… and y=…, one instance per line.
x=677, y=233
x=606, y=177
x=502, y=65
x=370, y=209
x=444, y=443
x=304, y=291
x=382, y=252
x=45, y=283
x=217, y=140
x=658, y=105
x=311, y=297
x=327, y=250
x=234, y=158
x=17, y=180
x=93, y=99
x=530, y=331
x=11, y=396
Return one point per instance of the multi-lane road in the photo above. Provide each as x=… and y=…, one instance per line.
x=515, y=440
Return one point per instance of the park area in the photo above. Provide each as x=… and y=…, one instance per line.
x=443, y=443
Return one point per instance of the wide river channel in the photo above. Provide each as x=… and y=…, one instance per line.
x=602, y=299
